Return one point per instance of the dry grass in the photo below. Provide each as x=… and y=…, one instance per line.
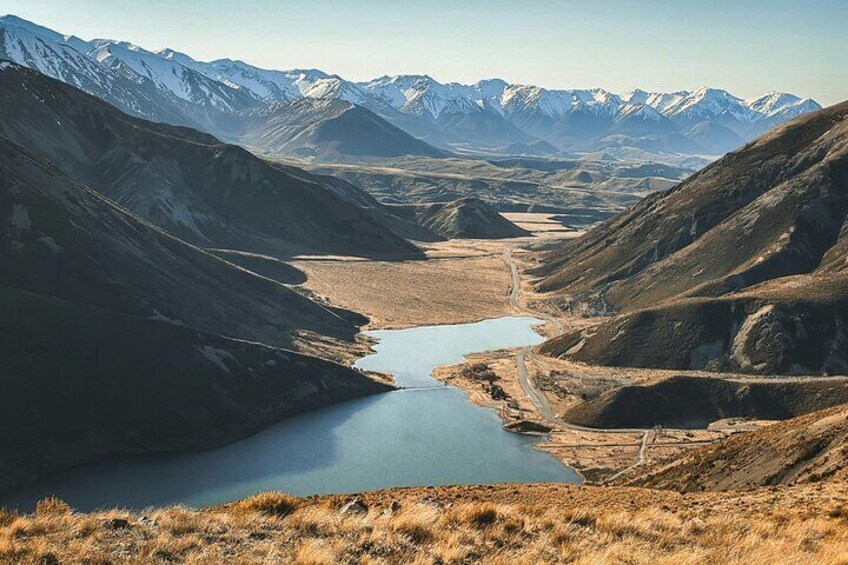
x=401, y=294
x=504, y=524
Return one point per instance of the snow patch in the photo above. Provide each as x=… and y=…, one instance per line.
x=20, y=220
x=217, y=356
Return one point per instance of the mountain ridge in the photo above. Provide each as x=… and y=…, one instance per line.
x=740, y=267
x=169, y=347
x=487, y=114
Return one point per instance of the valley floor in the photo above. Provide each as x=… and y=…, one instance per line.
x=460, y=281
x=491, y=524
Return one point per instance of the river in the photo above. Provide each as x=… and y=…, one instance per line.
x=424, y=434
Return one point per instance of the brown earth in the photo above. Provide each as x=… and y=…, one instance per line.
x=596, y=454
x=400, y=294
x=432, y=291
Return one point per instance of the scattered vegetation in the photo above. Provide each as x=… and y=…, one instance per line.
x=481, y=372
x=503, y=524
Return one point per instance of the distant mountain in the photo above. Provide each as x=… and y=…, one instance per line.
x=65, y=58
x=188, y=183
x=127, y=339
x=326, y=129
x=714, y=138
x=168, y=76
x=172, y=87
x=740, y=267
x=467, y=218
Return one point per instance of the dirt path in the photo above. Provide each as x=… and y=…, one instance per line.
x=647, y=436
x=515, y=291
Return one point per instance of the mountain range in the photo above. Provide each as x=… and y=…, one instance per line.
x=118, y=337
x=189, y=183
x=224, y=97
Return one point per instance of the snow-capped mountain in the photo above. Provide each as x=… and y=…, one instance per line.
x=169, y=76
x=780, y=106
x=129, y=77
x=173, y=87
x=64, y=58
x=708, y=104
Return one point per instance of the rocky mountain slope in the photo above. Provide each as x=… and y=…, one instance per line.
x=190, y=184
x=808, y=449
x=119, y=337
x=488, y=115
x=467, y=218
x=741, y=266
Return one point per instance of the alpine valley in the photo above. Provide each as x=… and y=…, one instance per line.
x=275, y=316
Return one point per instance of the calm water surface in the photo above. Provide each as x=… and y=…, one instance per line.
x=429, y=436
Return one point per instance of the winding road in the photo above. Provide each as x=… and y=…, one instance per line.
x=540, y=401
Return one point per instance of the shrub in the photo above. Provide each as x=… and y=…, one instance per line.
x=52, y=506
x=478, y=515
x=277, y=504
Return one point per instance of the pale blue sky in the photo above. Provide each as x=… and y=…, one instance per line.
x=747, y=47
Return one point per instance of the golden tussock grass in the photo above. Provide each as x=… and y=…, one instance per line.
x=504, y=524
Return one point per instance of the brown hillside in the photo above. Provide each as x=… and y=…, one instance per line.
x=808, y=449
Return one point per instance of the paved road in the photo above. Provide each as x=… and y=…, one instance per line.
x=515, y=291
x=543, y=406
x=536, y=396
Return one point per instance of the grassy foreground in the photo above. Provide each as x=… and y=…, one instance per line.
x=500, y=524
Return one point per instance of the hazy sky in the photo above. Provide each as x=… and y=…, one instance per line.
x=747, y=47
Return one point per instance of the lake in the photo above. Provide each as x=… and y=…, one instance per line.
x=424, y=434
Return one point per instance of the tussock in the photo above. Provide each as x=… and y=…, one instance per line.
x=503, y=524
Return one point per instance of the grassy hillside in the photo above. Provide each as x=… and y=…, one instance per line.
x=452, y=525
x=808, y=449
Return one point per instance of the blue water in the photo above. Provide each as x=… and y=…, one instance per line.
x=429, y=436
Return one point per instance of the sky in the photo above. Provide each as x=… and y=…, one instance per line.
x=747, y=47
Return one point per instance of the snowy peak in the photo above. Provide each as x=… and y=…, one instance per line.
x=265, y=84
x=171, y=86
x=424, y=96
x=167, y=74
x=46, y=51
x=706, y=103
x=780, y=106
x=490, y=88
x=637, y=96
x=638, y=110
x=518, y=98
x=10, y=20
x=772, y=101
